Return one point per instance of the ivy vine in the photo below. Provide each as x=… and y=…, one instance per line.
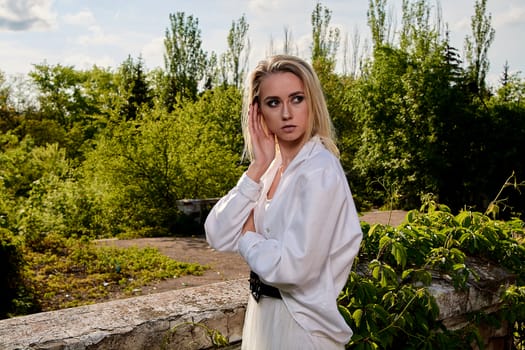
x=386, y=300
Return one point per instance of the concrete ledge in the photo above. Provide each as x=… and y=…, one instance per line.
x=482, y=293
x=183, y=319
x=156, y=321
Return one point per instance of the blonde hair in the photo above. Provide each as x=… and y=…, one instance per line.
x=319, y=122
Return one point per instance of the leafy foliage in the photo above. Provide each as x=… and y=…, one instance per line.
x=15, y=290
x=478, y=45
x=235, y=60
x=325, y=39
x=420, y=125
x=184, y=61
x=514, y=313
x=134, y=88
x=143, y=167
x=386, y=301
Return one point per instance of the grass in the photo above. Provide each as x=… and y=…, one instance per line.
x=75, y=272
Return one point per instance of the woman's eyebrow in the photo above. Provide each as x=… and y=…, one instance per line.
x=300, y=92
x=295, y=93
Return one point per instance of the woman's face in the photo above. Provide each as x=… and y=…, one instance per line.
x=283, y=106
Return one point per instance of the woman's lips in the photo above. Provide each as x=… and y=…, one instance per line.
x=288, y=128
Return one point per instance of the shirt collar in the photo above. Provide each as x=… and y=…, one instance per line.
x=312, y=146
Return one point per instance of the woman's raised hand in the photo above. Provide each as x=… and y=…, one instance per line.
x=263, y=144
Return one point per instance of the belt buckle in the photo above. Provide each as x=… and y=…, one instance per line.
x=255, y=286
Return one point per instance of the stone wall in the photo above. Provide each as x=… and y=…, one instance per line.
x=180, y=319
x=171, y=320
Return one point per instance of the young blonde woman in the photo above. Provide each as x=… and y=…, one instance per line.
x=291, y=215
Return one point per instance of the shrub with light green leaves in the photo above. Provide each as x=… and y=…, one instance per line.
x=386, y=301
x=15, y=292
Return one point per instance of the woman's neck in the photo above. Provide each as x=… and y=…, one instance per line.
x=288, y=152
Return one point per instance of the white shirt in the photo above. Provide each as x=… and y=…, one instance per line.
x=305, y=240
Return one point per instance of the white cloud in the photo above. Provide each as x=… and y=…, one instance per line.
x=24, y=15
x=462, y=25
x=12, y=58
x=97, y=36
x=512, y=16
x=82, y=18
x=263, y=5
x=153, y=53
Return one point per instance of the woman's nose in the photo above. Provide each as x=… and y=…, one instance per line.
x=286, y=112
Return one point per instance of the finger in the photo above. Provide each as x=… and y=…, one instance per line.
x=252, y=123
x=257, y=119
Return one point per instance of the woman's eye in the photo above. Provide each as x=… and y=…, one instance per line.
x=272, y=103
x=298, y=99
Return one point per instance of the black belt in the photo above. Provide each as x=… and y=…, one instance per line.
x=258, y=288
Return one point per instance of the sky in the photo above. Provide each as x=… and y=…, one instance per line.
x=83, y=33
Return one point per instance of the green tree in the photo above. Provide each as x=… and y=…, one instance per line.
x=213, y=74
x=54, y=204
x=101, y=94
x=405, y=101
x=512, y=89
x=17, y=100
x=238, y=51
x=133, y=88
x=376, y=16
x=40, y=193
x=146, y=165
x=81, y=103
x=7, y=117
x=477, y=47
x=61, y=95
x=16, y=169
x=184, y=59
x=325, y=40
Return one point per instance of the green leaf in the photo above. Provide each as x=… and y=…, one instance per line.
x=456, y=267
x=219, y=339
x=374, y=228
x=357, y=315
x=400, y=253
x=412, y=216
x=345, y=313
x=385, y=240
x=406, y=273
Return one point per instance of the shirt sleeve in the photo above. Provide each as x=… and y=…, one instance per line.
x=321, y=216
x=224, y=223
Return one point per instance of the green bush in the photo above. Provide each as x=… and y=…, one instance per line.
x=142, y=167
x=386, y=301
x=15, y=297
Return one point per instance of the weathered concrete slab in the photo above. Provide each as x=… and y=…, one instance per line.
x=483, y=292
x=172, y=320
x=183, y=319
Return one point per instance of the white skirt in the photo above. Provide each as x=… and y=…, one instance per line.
x=268, y=325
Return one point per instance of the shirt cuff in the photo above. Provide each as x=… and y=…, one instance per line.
x=249, y=188
x=247, y=241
